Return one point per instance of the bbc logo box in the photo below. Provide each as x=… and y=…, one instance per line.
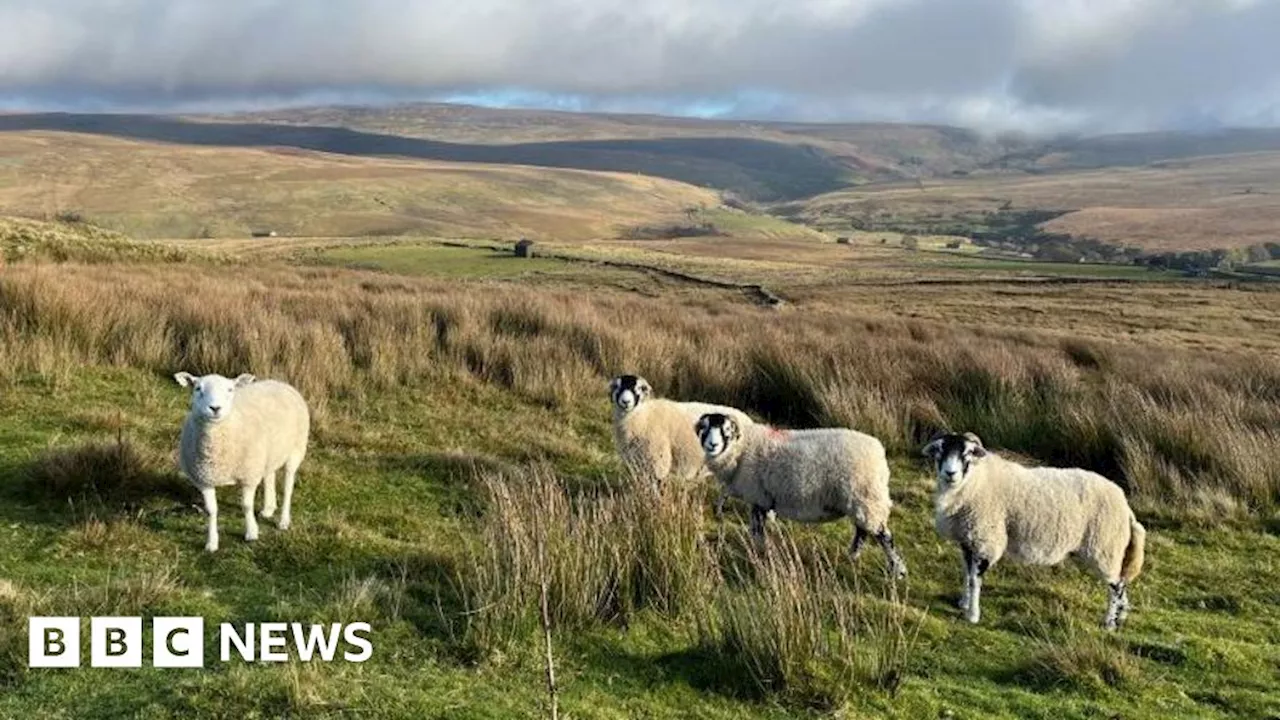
x=179, y=642
x=115, y=642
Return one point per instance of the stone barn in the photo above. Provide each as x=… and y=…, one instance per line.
x=524, y=248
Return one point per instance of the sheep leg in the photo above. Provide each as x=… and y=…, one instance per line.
x=758, y=516
x=1117, y=602
x=286, y=502
x=977, y=566
x=211, y=509
x=897, y=567
x=269, y=495
x=247, y=493
x=859, y=539
x=963, y=604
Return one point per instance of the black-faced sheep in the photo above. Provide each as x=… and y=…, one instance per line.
x=654, y=436
x=994, y=508
x=805, y=475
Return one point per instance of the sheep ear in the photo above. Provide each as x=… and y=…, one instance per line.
x=185, y=379
x=975, y=445
x=244, y=379
x=933, y=448
x=613, y=386
x=730, y=428
x=700, y=426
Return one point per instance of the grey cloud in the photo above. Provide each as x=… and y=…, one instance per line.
x=1030, y=64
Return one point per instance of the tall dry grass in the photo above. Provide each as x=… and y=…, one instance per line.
x=801, y=633
x=1181, y=430
x=604, y=554
x=780, y=623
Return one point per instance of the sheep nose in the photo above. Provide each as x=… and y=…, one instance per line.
x=214, y=409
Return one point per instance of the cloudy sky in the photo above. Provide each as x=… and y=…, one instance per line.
x=1038, y=65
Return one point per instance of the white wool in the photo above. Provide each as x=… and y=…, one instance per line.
x=242, y=432
x=997, y=508
x=655, y=437
x=805, y=475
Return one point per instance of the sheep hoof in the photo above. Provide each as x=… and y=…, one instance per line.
x=251, y=537
x=211, y=547
x=284, y=523
x=268, y=513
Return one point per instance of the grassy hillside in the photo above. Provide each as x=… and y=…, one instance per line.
x=23, y=240
x=871, y=151
x=754, y=167
x=1137, y=149
x=160, y=190
x=1212, y=202
x=461, y=423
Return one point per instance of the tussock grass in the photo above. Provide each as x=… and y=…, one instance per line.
x=1186, y=432
x=782, y=622
x=800, y=634
x=1076, y=658
x=103, y=480
x=605, y=554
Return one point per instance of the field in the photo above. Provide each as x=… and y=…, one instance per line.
x=462, y=471
x=425, y=388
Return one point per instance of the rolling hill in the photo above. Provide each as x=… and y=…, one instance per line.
x=754, y=167
x=1224, y=201
x=481, y=172
x=150, y=189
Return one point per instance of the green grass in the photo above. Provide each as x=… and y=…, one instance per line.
x=382, y=516
x=441, y=261
x=746, y=224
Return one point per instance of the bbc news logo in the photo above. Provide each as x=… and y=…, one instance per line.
x=178, y=642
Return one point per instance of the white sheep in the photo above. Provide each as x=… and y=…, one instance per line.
x=240, y=432
x=805, y=475
x=654, y=436
x=993, y=507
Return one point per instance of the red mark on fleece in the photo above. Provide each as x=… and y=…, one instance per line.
x=776, y=433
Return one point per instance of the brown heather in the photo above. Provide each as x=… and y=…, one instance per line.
x=1184, y=431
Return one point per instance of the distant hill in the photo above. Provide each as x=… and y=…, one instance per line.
x=517, y=170
x=161, y=190
x=870, y=152
x=753, y=167
x=1196, y=203
x=1135, y=149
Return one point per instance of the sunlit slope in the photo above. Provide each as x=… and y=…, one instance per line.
x=150, y=189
